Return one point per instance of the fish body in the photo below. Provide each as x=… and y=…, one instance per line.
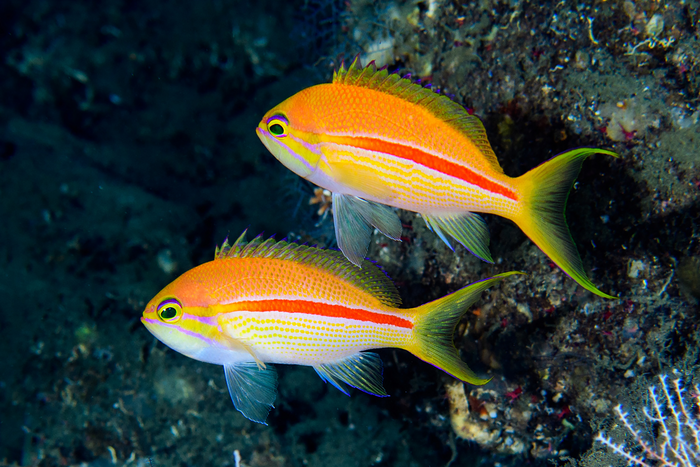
x=397, y=165
x=378, y=141
x=267, y=302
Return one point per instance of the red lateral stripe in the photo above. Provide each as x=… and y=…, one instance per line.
x=323, y=309
x=427, y=160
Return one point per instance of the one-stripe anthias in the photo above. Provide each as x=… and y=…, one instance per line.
x=376, y=141
x=267, y=302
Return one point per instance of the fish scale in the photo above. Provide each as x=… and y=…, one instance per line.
x=266, y=302
x=307, y=340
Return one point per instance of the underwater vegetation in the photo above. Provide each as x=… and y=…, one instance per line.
x=128, y=152
x=678, y=441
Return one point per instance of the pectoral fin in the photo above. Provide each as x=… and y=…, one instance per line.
x=362, y=371
x=354, y=218
x=236, y=344
x=469, y=229
x=253, y=389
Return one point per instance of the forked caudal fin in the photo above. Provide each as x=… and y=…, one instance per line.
x=545, y=190
x=434, y=326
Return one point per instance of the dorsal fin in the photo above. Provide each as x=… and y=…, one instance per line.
x=369, y=277
x=439, y=105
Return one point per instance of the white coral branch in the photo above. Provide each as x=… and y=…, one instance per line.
x=678, y=440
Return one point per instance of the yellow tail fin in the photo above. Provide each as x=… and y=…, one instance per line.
x=545, y=190
x=435, y=324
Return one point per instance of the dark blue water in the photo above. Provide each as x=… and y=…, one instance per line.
x=128, y=152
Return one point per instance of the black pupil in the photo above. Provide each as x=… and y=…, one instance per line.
x=169, y=312
x=276, y=129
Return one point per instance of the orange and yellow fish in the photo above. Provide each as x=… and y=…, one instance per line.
x=378, y=141
x=269, y=302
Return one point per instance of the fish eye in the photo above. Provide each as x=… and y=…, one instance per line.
x=276, y=129
x=277, y=126
x=169, y=310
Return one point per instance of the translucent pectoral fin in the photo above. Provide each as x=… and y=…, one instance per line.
x=253, y=389
x=469, y=229
x=362, y=371
x=354, y=218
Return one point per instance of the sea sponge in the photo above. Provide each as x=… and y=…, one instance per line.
x=628, y=119
x=463, y=424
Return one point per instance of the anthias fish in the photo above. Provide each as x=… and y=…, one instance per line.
x=377, y=141
x=267, y=302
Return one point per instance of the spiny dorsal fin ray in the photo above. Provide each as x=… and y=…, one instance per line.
x=369, y=277
x=439, y=105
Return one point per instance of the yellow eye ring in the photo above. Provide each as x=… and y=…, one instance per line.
x=277, y=126
x=169, y=310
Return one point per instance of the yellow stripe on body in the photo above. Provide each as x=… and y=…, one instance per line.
x=305, y=339
x=421, y=189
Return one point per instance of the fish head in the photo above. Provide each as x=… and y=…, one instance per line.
x=290, y=132
x=178, y=317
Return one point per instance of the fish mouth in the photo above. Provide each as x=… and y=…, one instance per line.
x=150, y=325
x=285, y=154
x=265, y=137
x=267, y=140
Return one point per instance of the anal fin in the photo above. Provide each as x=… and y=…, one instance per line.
x=362, y=371
x=468, y=228
x=354, y=218
x=253, y=389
